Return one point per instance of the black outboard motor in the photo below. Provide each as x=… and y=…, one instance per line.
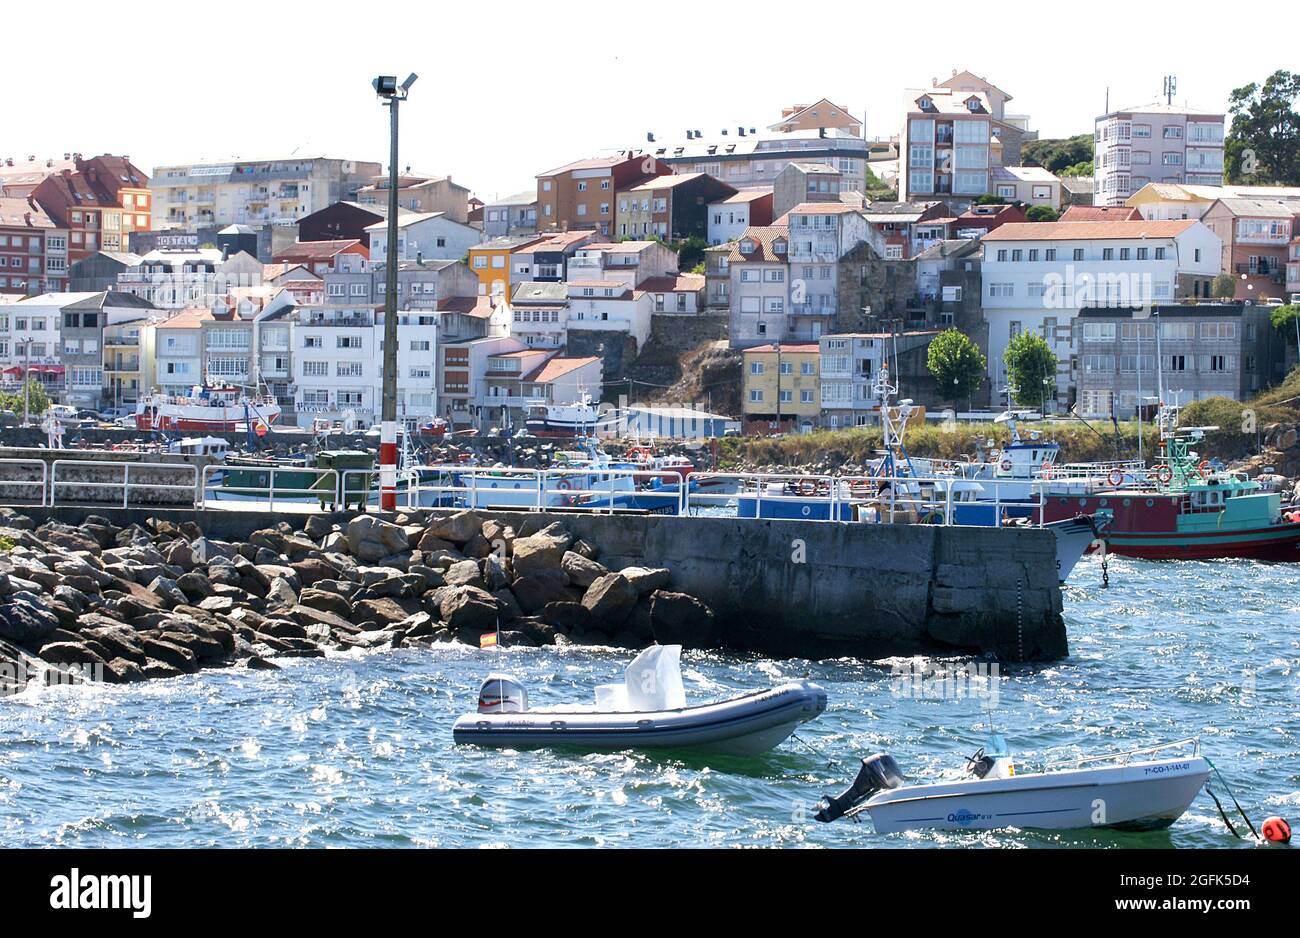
x=878, y=773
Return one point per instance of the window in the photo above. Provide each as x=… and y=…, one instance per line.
x=787, y=397
x=806, y=368
x=313, y=369
x=419, y=345
x=755, y=368
x=756, y=396
x=348, y=341
x=1173, y=133
x=805, y=397
x=1078, y=254
x=1049, y=254
x=1160, y=254
x=1002, y=289
x=774, y=276
x=1107, y=254
x=348, y=369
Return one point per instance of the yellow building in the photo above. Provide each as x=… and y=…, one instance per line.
x=795, y=384
x=497, y=273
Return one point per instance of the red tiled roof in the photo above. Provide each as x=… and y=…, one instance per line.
x=23, y=213
x=762, y=236
x=313, y=250
x=1078, y=213
x=1088, y=230
x=679, y=283
x=187, y=319
x=557, y=368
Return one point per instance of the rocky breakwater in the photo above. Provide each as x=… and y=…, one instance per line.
x=121, y=604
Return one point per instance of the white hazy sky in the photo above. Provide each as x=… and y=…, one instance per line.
x=508, y=88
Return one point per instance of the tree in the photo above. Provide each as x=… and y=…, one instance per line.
x=1058, y=155
x=988, y=198
x=956, y=364
x=1078, y=169
x=1224, y=287
x=690, y=252
x=1031, y=369
x=1042, y=213
x=31, y=396
x=1284, y=321
x=1263, y=143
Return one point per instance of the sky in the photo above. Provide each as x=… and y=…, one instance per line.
x=508, y=89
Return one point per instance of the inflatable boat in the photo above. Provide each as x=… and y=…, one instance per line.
x=647, y=711
x=1142, y=789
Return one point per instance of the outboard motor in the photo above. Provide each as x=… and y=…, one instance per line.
x=878, y=773
x=502, y=693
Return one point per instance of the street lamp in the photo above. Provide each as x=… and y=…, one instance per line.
x=386, y=87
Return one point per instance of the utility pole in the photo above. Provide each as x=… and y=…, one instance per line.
x=386, y=87
x=778, y=385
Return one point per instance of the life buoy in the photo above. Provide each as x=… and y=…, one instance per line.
x=1203, y=470
x=1164, y=475
x=1006, y=465
x=1116, y=477
x=807, y=487
x=564, y=485
x=1047, y=469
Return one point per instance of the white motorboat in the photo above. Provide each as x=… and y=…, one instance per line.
x=647, y=711
x=1141, y=789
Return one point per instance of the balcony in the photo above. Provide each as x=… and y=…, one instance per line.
x=124, y=366
x=1271, y=272
x=812, y=309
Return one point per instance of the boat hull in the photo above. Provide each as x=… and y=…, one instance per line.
x=1140, y=795
x=742, y=726
x=1277, y=542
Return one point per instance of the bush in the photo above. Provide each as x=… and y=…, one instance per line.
x=1224, y=287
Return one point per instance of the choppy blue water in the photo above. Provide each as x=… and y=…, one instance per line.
x=356, y=751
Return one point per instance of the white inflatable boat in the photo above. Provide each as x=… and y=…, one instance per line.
x=647, y=711
x=1142, y=789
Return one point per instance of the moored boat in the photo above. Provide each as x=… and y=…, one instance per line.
x=223, y=409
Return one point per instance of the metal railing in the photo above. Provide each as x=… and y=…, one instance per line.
x=124, y=483
x=1123, y=758
x=41, y=484
x=332, y=487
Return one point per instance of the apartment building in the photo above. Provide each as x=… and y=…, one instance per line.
x=512, y=216
x=81, y=343
x=746, y=159
x=547, y=259
x=420, y=194
x=514, y=381
x=421, y=284
x=333, y=361
x=850, y=364
x=802, y=182
x=462, y=371
x=1037, y=277
x=782, y=387
x=33, y=249
x=99, y=201
x=178, y=279
x=128, y=359
x=1256, y=236
x=1205, y=350
x=581, y=195
x=320, y=257
x=423, y=234
x=491, y=262
x=342, y=221
x=608, y=306
x=253, y=192
x=20, y=177
x=729, y=217
x=955, y=134
x=1178, y=200
x=758, y=268
x=1030, y=185
x=671, y=207
x=628, y=262
x=675, y=295
x=537, y=314
x=178, y=351
x=1155, y=143
x=823, y=237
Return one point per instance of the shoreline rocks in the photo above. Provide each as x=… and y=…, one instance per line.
x=153, y=600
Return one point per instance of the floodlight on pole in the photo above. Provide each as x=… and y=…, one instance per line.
x=386, y=87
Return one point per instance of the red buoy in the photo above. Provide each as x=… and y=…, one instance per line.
x=1277, y=830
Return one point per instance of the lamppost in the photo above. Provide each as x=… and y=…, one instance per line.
x=386, y=87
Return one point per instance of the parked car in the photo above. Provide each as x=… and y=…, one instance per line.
x=113, y=413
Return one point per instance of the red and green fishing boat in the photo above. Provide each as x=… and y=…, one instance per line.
x=1188, y=510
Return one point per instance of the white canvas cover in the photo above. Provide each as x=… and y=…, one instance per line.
x=654, y=679
x=611, y=698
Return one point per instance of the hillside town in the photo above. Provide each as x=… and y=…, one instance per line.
x=799, y=257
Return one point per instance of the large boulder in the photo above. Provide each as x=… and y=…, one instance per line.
x=538, y=554
x=167, y=590
x=312, y=569
x=582, y=571
x=467, y=607
x=370, y=538
x=281, y=593
x=459, y=528
x=194, y=585
x=24, y=623
x=179, y=657
x=385, y=611
x=464, y=573
x=609, y=599
x=566, y=617
x=534, y=592
x=646, y=579
x=679, y=619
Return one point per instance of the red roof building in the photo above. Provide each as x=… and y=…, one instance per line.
x=99, y=202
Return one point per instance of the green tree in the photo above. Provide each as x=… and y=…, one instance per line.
x=1042, y=213
x=1284, y=321
x=988, y=199
x=1078, y=169
x=31, y=396
x=1224, y=287
x=956, y=364
x=1031, y=369
x=690, y=252
x=1263, y=142
x=1059, y=154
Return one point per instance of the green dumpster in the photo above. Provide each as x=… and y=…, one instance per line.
x=341, y=488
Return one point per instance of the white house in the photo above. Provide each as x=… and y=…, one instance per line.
x=178, y=352
x=609, y=305
x=421, y=235
x=1036, y=277
x=729, y=217
x=334, y=364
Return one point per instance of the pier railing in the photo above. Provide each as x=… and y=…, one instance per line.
x=76, y=482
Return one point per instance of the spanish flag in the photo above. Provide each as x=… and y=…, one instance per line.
x=487, y=640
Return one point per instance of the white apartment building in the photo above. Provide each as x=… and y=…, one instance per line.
x=743, y=158
x=821, y=233
x=1173, y=200
x=1155, y=143
x=1036, y=277
x=29, y=331
x=759, y=286
x=609, y=305
x=181, y=279
x=729, y=217
x=178, y=351
x=253, y=192
x=628, y=262
x=537, y=315
x=434, y=235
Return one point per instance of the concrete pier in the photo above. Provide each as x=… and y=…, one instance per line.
x=796, y=588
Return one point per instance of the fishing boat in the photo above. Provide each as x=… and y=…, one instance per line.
x=1141, y=789
x=579, y=418
x=647, y=711
x=220, y=409
x=1191, y=509
x=434, y=427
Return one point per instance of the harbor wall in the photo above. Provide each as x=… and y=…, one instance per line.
x=796, y=588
